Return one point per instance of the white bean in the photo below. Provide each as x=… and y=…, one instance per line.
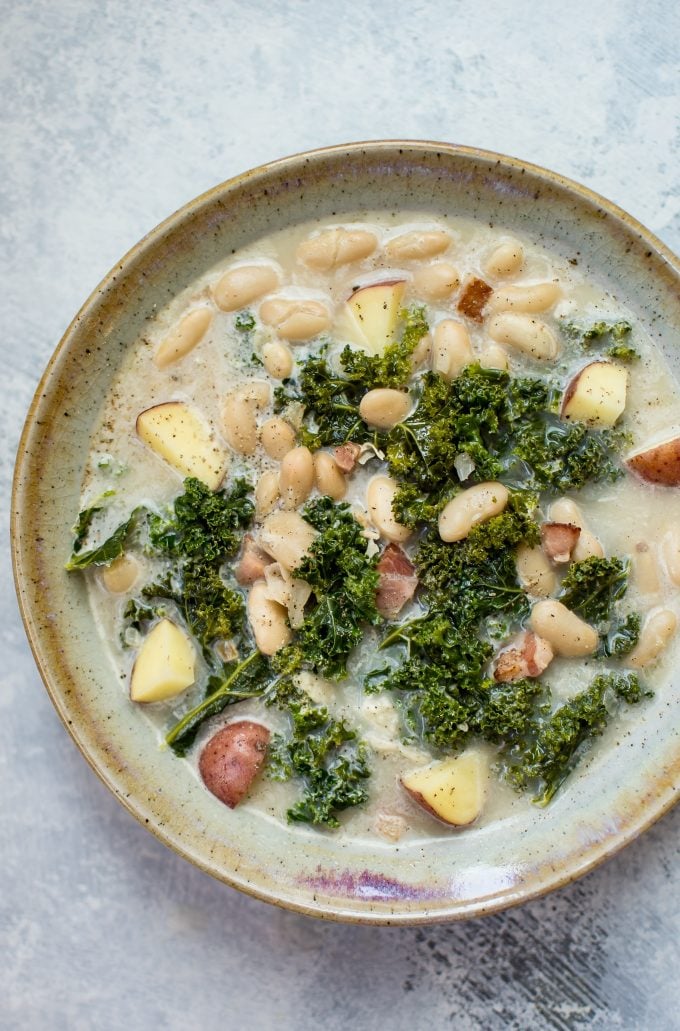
x=531, y=336
x=239, y=417
x=537, y=297
x=379, y=498
x=493, y=357
x=646, y=567
x=277, y=359
x=287, y=537
x=329, y=477
x=505, y=260
x=267, y=493
x=563, y=629
x=239, y=286
x=471, y=507
x=268, y=620
x=183, y=338
x=534, y=571
x=296, y=477
x=671, y=554
x=564, y=510
x=451, y=350
x=422, y=352
x=334, y=247
x=296, y=320
x=277, y=437
x=436, y=282
x=384, y=407
x=655, y=636
x=587, y=546
x=121, y=574
x=418, y=244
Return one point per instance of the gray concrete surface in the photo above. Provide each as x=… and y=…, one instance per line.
x=113, y=114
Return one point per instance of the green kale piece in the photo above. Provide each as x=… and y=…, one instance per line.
x=506, y=711
x=623, y=353
x=476, y=578
x=203, y=523
x=210, y=609
x=344, y=580
x=592, y=587
x=327, y=755
x=331, y=405
x=244, y=322
x=548, y=755
x=618, y=332
x=622, y=637
x=331, y=400
x=107, y=552
x=392, y=368
x=238, y=680
x=506, y=425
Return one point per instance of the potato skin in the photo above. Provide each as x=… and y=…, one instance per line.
x=660, y=464
x=232, y=759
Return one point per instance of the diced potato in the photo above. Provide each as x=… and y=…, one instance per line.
x=371, y=314
x=452, y=790
x=597, y=395
x=165, y=665
x=659, y=463
x=178, y=434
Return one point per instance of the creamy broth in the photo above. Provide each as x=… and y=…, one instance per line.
x=629, y=517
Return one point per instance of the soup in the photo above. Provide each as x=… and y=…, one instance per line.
x=377, y=525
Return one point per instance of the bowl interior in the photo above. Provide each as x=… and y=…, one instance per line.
x=316, y=873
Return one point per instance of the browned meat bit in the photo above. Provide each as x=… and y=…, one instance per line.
x=397, y=581
x=528, y=656
x=473, y=298
x=252, y=563
x=559, y=540
x=346, y=456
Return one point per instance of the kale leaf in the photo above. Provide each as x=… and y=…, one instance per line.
x=203, y=523
x=105, y=553
x=592, y=587
x=327, y=755
x=344, y=580
x=391, y=368
x=622, y=636
x=238, y=680
x=557, y=742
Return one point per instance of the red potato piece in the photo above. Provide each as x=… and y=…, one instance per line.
x=232, y=759
x=559, y=540
x=659, y=463
x=252, y=563
x=397, y=581
x=346, y=456
x=528, y=656
x=473, y=299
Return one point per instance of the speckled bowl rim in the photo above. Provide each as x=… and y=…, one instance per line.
x=547, y=878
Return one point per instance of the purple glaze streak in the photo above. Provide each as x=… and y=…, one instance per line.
x=367, y=885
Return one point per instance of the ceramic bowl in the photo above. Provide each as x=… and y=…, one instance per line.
x=609, y=802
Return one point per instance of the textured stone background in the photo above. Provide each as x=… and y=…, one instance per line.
x=114, y=114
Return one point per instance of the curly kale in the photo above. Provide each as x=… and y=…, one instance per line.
x=506, y=426
x=203, y=523
x=106, y=552
x=622, y=636
x=476, y=578
x=585, y=336
x=331, y=399
x=325, y=753
x=391, y=368
x=236, y=681
x=344, y=580
x=592, y=587
x=555, y=743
